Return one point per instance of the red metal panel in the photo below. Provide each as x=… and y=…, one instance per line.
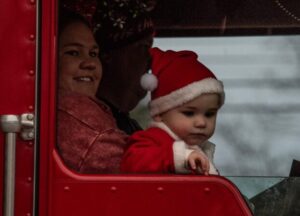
x=17, y=87
x=47, y=102
x=17, y=54
x=1, y=172
x=92, y=195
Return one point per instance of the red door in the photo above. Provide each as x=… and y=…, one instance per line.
x=18, y=70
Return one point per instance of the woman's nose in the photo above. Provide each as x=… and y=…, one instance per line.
x=88, y=64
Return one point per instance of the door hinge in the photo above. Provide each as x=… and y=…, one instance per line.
x=27, y=126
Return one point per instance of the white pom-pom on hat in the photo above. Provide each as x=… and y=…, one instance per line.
x=149, y=82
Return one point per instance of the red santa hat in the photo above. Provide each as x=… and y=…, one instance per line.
x=178, y=78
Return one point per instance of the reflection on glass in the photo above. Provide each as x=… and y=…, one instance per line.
x=271, y=195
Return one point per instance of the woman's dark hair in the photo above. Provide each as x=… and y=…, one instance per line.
x=67, y=17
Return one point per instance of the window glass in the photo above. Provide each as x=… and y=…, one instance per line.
x=258, y=128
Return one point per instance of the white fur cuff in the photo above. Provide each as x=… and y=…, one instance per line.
x=180, y=154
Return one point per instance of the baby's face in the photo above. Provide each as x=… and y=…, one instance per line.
x=80, y=69
x=195, y=121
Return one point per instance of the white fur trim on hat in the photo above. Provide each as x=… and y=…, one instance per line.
x=186, y=94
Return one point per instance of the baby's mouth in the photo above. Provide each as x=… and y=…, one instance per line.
x=84, y=79
x=197, y=135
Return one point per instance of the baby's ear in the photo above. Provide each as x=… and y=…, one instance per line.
x=157, y=118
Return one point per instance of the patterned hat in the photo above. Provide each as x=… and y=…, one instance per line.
x=178, y=78
x=85, y=8
x=121, y=22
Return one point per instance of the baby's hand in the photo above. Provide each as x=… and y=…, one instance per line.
x=197, y=159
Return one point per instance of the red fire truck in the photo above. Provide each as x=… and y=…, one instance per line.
x=34, y=179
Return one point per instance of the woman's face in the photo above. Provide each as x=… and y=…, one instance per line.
x=80, y=69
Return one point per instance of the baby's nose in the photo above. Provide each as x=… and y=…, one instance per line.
x=200, y=121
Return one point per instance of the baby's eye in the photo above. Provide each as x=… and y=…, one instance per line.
x=72, y=53
x=94, y=53
x=188, y=113
x=210, y=114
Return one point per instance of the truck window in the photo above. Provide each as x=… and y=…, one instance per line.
x=258, y=127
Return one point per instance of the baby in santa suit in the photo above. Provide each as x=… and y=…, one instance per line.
x=185, y=99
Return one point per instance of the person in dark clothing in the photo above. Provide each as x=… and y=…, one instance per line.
x=125, y=31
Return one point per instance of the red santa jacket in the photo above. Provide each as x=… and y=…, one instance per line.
x=159, y=150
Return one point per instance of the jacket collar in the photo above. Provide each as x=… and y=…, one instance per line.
x=165, y=128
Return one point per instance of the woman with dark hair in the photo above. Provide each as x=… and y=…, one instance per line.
x=124, y=31
x=88, y=138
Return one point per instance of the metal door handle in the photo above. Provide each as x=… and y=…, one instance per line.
x=10, y=125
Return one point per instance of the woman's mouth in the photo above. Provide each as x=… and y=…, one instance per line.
x=84, y=79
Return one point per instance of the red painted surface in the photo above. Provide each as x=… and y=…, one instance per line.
x=47, y=103
x=60, y=191
x=17, y=54
x=92, y=195
x=17, y=88
x=1, y=172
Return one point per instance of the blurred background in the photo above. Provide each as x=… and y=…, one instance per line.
x=258, y=128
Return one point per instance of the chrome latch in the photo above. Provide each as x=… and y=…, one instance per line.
x=27, y=126
x=10, y=123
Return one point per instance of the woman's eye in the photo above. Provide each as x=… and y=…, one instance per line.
x=72, y=53
x=188, y=113
x=94, y=54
